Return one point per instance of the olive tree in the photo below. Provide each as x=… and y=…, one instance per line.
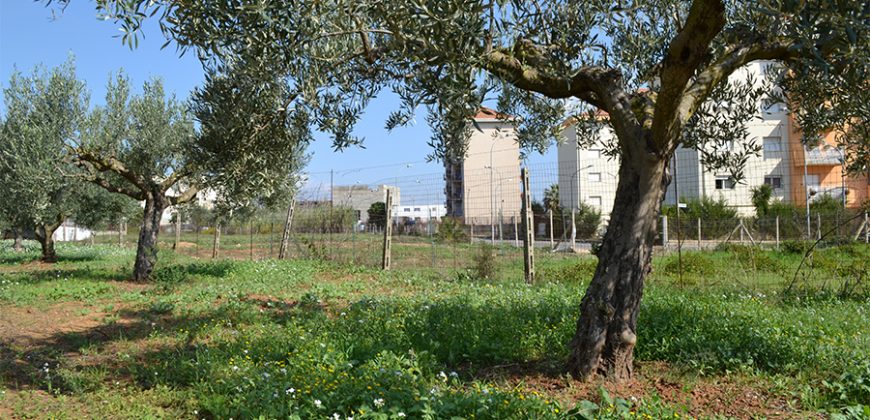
x=44, y=110
x=252, y=142
x=659, y=69
x=141, y=146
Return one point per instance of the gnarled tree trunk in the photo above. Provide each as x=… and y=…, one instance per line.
x=45, y=235
x=146, y=248
x=606, y=331
x=18, y=236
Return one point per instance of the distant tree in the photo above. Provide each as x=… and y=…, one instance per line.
x=98, y=208
x=551, y=198
x=378, y=214
x=44, y=110
x=141, y=146
x=659, y=69
x=761, y=199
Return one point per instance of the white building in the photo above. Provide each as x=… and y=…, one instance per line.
x=70, y=232
x=419, y=212
x=587, y=175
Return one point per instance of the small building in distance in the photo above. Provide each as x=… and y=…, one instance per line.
x=419, y=212
x=361, y=197
x=484, y=187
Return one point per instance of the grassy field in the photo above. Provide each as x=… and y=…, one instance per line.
x=317, y=339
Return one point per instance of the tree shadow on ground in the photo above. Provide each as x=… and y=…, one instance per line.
x=169, y=344
x=25, y=258
x=58, y=274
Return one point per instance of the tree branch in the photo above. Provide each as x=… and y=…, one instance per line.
x=111, y=164
x=582, y=84
x=95, y=178
x=184, y=197
x=702, y=86
x=598, y=86
x=689, y=48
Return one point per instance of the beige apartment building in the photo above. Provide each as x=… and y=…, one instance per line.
x=484, y=188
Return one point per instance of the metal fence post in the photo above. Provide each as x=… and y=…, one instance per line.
x=699, y=233
x=866, y=229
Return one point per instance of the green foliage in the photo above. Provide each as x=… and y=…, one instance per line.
x=251, y=146
x=451, y=231
x=320, y=218
x=761, y=199
x=795, y=246
x=231, y=335
x=484, y=265
x=45, y=112
x=580, y=272
x=694, y=265
x=377, y=213
x=719, y=218
x=587, y=220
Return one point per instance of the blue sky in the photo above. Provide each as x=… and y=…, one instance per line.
x=30, y=36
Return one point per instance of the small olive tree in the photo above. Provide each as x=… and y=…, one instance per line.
x=44, y=110
x=141, y=146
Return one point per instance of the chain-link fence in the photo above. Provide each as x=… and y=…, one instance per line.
x=441, y=221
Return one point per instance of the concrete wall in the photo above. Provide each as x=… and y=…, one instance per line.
x=361, y=197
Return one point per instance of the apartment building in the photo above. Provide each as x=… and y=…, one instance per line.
x=818, y=171
x=484, y=187
x=587, y=175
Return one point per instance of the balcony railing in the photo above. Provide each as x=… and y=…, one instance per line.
x=823, y=156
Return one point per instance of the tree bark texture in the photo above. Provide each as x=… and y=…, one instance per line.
x=177, y=231
x=146, y=248
x=606, y=331
x=216, y=245
x=45, y=235
x=17, y=245
x=285, y=236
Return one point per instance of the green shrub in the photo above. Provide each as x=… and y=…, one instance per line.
x=695, y=264
x=580, y=272
x=795, y=246
x=485, y=265
x=718, y=219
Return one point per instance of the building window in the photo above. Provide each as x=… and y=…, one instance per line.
x=595, y=200
x=407, y=209
x=772, y=147
x=594, y=176
x=724, y=183
x=416, y=209
x=593, y=154
x=773, y=181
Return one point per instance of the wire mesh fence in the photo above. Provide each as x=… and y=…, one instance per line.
x=441, y=221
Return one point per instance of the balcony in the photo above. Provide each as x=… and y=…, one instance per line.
x=823, y=156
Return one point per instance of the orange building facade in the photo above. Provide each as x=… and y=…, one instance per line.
x=819, y=170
